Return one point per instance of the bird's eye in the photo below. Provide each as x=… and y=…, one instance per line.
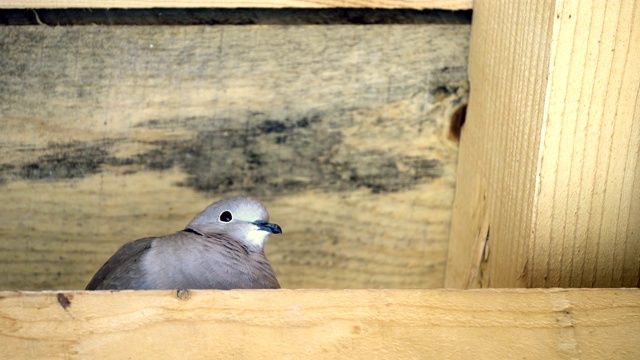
x=225, y=216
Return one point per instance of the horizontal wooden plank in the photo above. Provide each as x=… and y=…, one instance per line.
x=381, y=4
x=109, y=134
x=314, y=324
x=241, y=17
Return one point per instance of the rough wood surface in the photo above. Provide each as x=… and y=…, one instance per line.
x=384, y=4
x=109, y=134
x=322, y=324
x=548, y=190
x=243, y=16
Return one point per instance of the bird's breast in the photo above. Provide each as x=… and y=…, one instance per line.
x=197, y=264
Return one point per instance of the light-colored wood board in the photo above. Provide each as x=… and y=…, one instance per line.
x=132, y=4
x=109, y=134
x=549, y=156
x=314, y=324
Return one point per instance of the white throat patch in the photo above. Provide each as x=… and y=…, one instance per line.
x=257, y=237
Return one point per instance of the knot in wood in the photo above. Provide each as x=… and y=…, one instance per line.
x=183, y=294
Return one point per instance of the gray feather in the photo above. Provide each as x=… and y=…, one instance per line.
x=123, y=270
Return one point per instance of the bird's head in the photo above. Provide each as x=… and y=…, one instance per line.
x=243, y=218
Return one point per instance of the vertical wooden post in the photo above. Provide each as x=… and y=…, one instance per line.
x=548, y=190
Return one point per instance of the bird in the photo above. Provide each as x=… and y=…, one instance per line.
x=222, y=247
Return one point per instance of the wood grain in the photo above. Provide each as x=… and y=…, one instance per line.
x=384, y=4
x=313, y=324
x=550, y=150
x=240, y=17
x=109, y=134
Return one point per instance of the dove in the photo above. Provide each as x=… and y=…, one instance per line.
x=221, y=248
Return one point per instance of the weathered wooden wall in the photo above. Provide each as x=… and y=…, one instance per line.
x=108, y=134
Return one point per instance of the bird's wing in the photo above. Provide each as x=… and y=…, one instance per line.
x=123, y=270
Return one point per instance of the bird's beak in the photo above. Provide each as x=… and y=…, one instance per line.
x=268, y=227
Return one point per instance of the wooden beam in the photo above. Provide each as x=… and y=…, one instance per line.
x=548, y=189
x=112, y=4
x=314, y=324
